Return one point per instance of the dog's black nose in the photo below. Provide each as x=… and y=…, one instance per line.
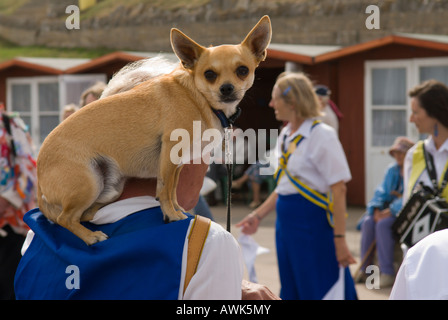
x=227, y=89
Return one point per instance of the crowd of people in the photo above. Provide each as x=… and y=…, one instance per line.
x=309, y=201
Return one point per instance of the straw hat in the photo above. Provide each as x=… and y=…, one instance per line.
x=401, y=144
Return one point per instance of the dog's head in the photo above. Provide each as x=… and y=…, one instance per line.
x=224, y=73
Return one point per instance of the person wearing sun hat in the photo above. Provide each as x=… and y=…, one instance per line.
x=401, y=144
x=382, y=210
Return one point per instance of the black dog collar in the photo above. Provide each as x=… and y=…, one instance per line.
x=227, y=122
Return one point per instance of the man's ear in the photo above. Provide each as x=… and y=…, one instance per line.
x=185, y=48
x=259, y=38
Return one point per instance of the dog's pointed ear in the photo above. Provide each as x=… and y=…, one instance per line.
x=259, y=38
x=187, y=50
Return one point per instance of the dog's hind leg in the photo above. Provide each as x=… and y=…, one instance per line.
x=75, y=204
x=70, y=218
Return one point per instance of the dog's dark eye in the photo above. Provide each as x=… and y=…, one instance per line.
x=210, y=75
x=242, y=71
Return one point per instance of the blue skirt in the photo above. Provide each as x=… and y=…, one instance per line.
x=306, y=252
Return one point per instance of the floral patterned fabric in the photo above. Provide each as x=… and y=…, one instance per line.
x=17, y=171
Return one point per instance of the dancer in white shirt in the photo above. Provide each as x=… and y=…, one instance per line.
x=422, y=274
x=309, y=198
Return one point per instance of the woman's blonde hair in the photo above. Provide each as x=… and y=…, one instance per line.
x=96, y=90
x=68, y=110
x=296, y=89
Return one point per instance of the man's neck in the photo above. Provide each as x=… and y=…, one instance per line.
x=135, y=187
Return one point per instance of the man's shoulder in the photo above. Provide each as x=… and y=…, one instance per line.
x=217, y=230
x=217, y=234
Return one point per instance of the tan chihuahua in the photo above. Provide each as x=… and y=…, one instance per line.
x=83, y=163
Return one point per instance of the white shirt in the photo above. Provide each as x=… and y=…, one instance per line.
x=220, y=269
x=319, y=161
x=440, y=158
x=423, y=273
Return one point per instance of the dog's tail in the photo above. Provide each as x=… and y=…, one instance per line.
x=137, y=72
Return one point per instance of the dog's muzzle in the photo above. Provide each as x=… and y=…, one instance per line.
x=227, y=91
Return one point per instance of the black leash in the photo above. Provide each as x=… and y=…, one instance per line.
x=229, y=168
x=227, y=124
x=432, y=173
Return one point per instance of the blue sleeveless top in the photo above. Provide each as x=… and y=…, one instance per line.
x=142, y=259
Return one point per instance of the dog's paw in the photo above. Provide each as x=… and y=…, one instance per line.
x=95, y=237
x=176, y=216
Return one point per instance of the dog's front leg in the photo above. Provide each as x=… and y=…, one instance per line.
x=167, y=179
x=174, y=190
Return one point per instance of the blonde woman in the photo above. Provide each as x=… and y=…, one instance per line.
x=310, y=230
x=92, y=93
x=68, y=111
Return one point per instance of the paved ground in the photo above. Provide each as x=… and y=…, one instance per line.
x=266, y=264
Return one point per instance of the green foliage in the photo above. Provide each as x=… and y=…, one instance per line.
x=8, y=7
x=105, y=7
x=9, y=51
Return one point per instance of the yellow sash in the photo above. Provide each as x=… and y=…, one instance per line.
x=196, y=240
x=325, y=201
x=418, y=166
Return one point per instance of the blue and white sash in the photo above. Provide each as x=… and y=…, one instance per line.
x=324, y=201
